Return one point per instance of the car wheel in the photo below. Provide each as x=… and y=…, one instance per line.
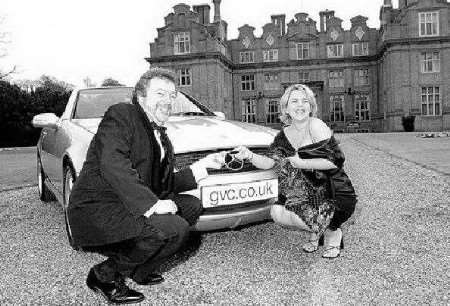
x=44, y=193
x=69, y=180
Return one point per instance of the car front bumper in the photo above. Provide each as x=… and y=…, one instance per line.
x=214, y=220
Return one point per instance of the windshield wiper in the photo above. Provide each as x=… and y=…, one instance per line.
x=189, y=114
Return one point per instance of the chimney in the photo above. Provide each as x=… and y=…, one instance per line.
x=324, y=16
x=203, y=13
x=387, y=3
x=280, y=22
x=402, y=3
x=216, y=10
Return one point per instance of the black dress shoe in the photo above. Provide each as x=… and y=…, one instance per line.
x=151, y=279
x=114, y=292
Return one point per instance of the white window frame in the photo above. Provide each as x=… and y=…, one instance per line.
x=362, y=107
x=248, y=110
x=302, y=78
x=181, y=43
x=246, y=57
x=360, y=48
x=184, y=77
x=339, y=114
x=335, y=50
x=270, y=55
x=303, y=50
x=428, y=23
x=336, y=78
x=247, y=82
x=431, y=104
x=430, y=62
x=272, y=111
x=361, y=77
x=271, y=81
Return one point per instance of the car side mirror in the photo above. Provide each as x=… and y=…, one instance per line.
x=220, y=115
x=49, y=120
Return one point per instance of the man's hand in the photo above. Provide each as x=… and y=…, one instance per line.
x=162, y=207
x=213, y=161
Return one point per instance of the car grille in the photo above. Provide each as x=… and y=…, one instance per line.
x=186, y=159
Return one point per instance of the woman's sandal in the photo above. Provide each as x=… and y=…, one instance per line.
x=331, y=250
x=313, y=243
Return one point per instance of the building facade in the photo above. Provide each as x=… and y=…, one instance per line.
x=365, y=79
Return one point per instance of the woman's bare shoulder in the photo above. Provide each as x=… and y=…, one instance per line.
x=320, y=130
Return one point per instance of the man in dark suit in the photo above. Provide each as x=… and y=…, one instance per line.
x=126, y=203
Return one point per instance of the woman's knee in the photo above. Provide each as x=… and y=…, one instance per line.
x=278, y=214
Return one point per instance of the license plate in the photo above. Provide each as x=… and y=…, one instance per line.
x=230, y=194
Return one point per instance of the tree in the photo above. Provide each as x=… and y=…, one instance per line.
x=4, y=41
x=111, y=82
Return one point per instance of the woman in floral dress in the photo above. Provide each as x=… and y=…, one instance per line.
x=306, y=156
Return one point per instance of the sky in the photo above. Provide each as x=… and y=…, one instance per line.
x=75, y=39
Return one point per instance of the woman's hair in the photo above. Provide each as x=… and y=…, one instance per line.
x=284, y=100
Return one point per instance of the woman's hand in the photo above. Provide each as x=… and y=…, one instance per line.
x=243, y=153
x=296, y=161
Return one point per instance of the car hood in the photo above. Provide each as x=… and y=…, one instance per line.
x=190, y=134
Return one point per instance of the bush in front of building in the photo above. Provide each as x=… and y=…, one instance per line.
x=408, y=123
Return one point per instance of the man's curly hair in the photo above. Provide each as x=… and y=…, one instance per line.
x=154, y=72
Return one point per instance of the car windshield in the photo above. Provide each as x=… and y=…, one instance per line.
x=93, y=103
x=187, y=106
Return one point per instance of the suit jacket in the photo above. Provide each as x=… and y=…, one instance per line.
x=122, y=177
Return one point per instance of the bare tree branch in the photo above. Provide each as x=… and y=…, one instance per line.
x=5, y=74
x=4, y=41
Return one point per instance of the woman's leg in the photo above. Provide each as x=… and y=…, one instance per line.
x=345, y=206
x=286, y=217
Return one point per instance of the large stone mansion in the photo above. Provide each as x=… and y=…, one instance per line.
x=365, y=79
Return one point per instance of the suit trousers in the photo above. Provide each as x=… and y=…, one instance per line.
x=161, y=237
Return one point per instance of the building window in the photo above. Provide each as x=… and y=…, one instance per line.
x=360, y=49
x=184, y=77
x=271, y=81
x=429, y=24
x=270, y=55
x=337, y=108
x=246, y=57
x=303, y=77
x=249, y=111
x=335, y=50
x=272, y=112
x=362, y=108
x=336, y=78
x=182, y=43
x=361, y=77
x=430, y=62
x=248, y=82
x=302, y=50
x=431, y=101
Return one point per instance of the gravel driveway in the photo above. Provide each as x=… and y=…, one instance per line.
x=397, y=250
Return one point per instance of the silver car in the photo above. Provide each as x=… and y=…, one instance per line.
x=231, y=196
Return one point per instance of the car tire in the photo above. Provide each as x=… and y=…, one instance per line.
x=69, y=179
x=44, y=193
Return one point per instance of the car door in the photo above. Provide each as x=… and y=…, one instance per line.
x=62, y=142
x=46, y=149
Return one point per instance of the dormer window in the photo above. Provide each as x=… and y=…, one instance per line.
x=335, y=50
x=182, y=43
x=429, y=24
x=360, y=48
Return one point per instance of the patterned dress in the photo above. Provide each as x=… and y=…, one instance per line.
x=316, y=196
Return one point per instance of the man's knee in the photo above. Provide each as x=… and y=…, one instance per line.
x=189, y=207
